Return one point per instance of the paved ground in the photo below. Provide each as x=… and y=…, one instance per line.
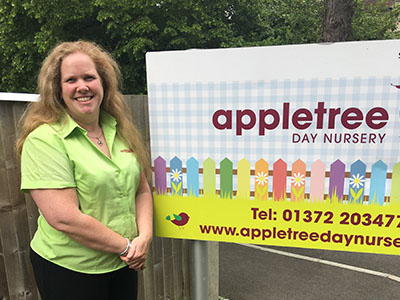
x=252, y=274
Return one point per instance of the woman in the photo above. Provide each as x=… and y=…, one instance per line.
x=84, y=165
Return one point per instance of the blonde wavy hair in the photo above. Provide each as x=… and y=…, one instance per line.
x=51, y=108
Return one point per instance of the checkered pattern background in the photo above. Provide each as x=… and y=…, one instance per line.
x=181, y=120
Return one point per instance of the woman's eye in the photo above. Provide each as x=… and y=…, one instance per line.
x=70, y=80
x=89, y=78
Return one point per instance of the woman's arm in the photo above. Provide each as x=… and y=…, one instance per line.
x=60, y=208
x=137, y=254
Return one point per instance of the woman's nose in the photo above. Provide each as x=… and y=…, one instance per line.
x=82, y=88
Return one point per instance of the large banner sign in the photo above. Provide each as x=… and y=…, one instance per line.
x=286, y=145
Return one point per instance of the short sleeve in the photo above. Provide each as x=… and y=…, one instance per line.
x=44, y=161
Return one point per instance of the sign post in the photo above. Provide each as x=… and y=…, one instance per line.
x=200, y=270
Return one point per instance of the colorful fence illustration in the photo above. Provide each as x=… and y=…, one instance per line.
x=260, y=176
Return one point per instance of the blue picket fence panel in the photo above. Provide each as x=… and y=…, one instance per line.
x=357, y=182
x=378, y=182
x=176, y=176
x=193, y=185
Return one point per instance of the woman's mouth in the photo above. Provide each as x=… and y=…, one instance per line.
x=83, y=99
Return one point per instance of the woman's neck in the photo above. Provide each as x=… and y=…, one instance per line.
x=91, y=128
x=91, y=125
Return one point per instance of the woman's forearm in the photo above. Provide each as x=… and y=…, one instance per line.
x=144, y=209
x=60, y=208
x=89, y=232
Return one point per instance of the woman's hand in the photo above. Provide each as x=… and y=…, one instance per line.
x=137, y=254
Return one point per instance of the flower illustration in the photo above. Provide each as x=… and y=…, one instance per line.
x=357, y=181
x=176, y=175
x=261, y=178
x=298, y=179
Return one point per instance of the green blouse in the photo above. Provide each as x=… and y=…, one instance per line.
x=60, y=156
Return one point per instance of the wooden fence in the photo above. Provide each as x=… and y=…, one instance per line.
x=167, y=275
x=279, y=174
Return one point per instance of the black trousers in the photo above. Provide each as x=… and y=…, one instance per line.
x=57, y=283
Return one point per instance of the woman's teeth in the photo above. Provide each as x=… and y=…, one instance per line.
x=83, y=99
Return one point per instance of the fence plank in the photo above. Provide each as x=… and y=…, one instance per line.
x=160, y=175
x=243, y=179
x=176, y=176
x=168, y=269
x=298, y=181
x=317, y=181
x=138, y=105
x=4, y=292
x=5, y=207
x=209, y=177
x=178, y=268
x=279, y=180
x=193, y=177
x=32, y=214
x=395, y=188
x=186, y=262
x=378, y=182
x=147, y=279
x=336, y=180
x=357, y=179
x=158, y=265
x=226, y=178
x=261, y=180
x=213, y=270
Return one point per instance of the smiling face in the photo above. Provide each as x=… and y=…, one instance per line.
x=81, y=87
